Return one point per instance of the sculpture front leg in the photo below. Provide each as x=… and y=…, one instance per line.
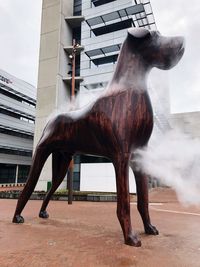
x=123, y=203
x=39, y=159
x=143, y=202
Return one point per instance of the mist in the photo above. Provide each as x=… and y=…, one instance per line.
x=174, y=159
x=172, y=156
x=79, y=105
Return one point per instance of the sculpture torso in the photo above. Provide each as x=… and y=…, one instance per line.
x=115, y=124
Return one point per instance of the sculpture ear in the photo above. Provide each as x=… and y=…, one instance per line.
x=138, y=32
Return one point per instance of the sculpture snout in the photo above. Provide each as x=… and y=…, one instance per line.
x=182, y=45
x=171, y=51
x=178, y=45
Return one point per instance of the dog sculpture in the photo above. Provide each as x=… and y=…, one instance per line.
x=116, y=124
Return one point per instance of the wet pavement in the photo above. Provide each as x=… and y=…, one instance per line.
x=88, y=234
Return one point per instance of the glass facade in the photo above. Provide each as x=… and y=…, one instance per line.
x=17, y=117
x=104, y=30
x=23, y=172
x=7, y=173
x=10, y=173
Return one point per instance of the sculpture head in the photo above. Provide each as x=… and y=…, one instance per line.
x=156, y=50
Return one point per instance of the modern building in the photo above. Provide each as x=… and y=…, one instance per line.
x=100, y=27
x=188, y=123
x=17, y=117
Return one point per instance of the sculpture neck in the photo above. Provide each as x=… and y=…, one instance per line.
x=131, y=70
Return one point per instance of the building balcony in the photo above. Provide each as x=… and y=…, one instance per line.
x=74, y=21
x=138, y=15
x=103, y=51
x=119, y=14
x=68, y=49
x=78, y=80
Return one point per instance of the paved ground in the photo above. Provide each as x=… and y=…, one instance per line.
x=88, y=234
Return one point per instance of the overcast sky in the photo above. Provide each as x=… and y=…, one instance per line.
x=20, y=34
x=19, y=38
x=181, y=17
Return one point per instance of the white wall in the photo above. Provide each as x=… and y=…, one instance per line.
x=100, y=177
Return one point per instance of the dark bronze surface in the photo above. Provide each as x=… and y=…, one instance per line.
x=113, y=126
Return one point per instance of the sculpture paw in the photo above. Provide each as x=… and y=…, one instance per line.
x=151, y=230
x=133, y=240
x=18, y=219
x=43, y=214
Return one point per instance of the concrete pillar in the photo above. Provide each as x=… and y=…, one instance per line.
x=52, y=91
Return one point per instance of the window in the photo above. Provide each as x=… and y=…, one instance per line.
x=27, y=120
x=103, y=55
x=18, y=98
x=8, y=91
x=113, y=27
x=77, y=7
x=18, y=114
x=8, y=94
x=7, y=173
x=23, y=172
x=28, y=104
x=13, y=151
x=101, y=2
x=76, y=181
x=105, y=60
x=77, y=34
x=16, y=132
x=9, y=113
x=91, y=159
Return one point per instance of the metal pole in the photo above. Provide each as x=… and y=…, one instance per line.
x=71, y=166
x=73, y=69
x=70, y=182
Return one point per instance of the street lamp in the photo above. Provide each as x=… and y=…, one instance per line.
x=72, y=56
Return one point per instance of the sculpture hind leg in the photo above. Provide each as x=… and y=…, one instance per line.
x=143, y=201
x=123, y=202
x=40, y=156
x=60, y=164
